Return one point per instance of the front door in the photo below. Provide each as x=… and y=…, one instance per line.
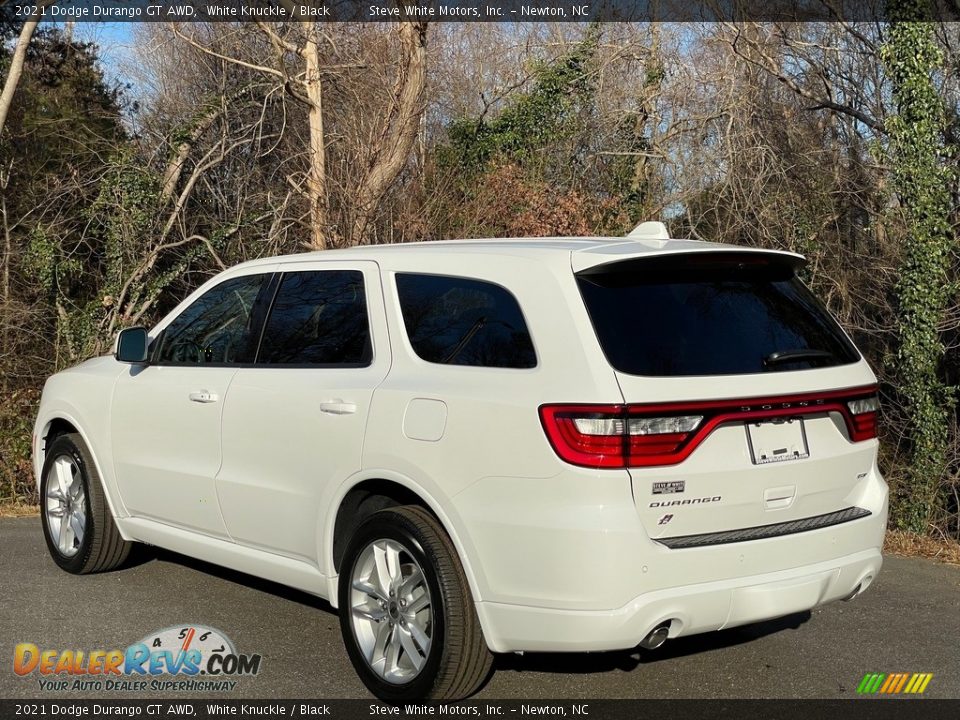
x=165, y=416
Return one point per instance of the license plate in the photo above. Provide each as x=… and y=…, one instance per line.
x=777, y=441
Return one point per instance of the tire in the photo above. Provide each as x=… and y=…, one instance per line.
x=88, y=540
x=457, y=660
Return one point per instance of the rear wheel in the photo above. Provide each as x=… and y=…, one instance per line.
x=77, y=524
x=406, y=613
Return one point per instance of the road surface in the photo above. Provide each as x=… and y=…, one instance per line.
x=909, y=621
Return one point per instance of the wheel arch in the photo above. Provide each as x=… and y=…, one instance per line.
x=61, y=422
x=404, y=487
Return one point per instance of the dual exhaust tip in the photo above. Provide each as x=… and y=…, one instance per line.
x=656, y=637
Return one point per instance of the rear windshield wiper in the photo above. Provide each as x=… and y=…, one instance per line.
x=789, y=356
x=464, y=341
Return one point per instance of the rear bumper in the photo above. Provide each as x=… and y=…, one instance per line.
x=564, y=573
x=690, y=609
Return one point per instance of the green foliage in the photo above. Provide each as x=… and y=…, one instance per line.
x=543, y=145
x=533, y=121
x=41, y=258
x=921, y=179
x=64, y=124
x=16, y=429
x=123, y=215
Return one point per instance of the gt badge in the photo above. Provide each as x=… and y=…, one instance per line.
x=671, y=486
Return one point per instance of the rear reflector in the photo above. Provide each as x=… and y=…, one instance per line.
x=621, y=436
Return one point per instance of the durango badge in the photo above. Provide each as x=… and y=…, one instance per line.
x=687, y=501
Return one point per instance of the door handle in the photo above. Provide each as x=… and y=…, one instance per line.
x=203, y=396
x=338, y=407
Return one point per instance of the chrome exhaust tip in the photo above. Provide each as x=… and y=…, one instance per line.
x=853, y=594
x=656, y=637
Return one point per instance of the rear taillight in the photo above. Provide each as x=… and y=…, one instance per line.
x=586, y=435
x=611, y=436
x=863, y=412
x=621, y=436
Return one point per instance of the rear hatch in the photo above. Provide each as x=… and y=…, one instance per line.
x=745, y=404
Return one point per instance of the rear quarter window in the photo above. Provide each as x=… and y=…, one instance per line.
x=710, y=314
x=461, y=321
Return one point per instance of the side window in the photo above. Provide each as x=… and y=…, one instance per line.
x=459, y=321
x=216, y=328
x=318, y=318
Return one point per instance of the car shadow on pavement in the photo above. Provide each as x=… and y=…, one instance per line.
x=576, y=663
x=627, y=660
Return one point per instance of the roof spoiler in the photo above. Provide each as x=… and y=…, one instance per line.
x=605, y=258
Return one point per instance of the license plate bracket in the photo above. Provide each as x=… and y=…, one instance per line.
x=780, y=440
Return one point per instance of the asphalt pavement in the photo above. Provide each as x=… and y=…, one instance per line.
x=908, y=621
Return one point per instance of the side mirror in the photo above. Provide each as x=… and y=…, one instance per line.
x=132, y=345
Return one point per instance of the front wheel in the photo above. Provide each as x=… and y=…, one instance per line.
x=79, y=529
x=406, y=613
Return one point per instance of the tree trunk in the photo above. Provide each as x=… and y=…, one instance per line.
x=317, y=173
x=174, y=168
x=16, y=63
x=5, y=300
x=400, y=128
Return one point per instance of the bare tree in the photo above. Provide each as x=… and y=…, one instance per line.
x=402, y=122
x=18, y=59
x=297, y=66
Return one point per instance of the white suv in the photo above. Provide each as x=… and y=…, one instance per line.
x=472, y=446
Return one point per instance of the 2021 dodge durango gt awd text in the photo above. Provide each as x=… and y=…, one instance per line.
x=485, y=446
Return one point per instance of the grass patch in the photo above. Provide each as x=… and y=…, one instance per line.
x=12, y=508
x=907, y=544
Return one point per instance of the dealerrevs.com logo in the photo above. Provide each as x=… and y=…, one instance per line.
x=192, y=657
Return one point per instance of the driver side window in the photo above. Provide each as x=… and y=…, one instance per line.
x=216, y=328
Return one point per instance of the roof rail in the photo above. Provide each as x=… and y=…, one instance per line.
x=652, y=230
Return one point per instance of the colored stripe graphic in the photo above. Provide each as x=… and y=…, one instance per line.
x=894, y=683
x=903, y=680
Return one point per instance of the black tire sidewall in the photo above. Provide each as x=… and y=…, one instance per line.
x=387, y=525
x=63, y=446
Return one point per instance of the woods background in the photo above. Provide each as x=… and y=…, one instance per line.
x=122, y=189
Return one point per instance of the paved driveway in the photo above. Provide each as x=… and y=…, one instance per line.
x=909, y=621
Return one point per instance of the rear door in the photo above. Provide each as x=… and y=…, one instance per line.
x=739, y=388
x=294, y=420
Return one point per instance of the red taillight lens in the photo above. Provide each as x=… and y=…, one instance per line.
x=610, y=436
x=646, y=435
x=863, y=414
x=586, y=435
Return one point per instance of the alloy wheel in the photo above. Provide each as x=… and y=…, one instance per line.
x=391, y=611
x=66, y=505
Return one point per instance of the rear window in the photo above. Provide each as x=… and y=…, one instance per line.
x=716, y=314
x=460, y=321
